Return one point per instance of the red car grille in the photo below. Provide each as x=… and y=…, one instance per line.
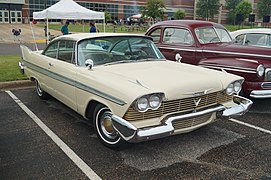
x=266, y=85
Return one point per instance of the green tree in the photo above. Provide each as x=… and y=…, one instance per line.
x=264, y=8
x=208, y=8
x=244, y=7
x=231, y=7
x=107, y=16
x=180, y=14
x=154, y=9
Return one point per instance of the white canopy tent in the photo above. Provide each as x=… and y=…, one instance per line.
x=68, y=9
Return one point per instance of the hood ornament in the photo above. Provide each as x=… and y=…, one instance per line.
x=197, y=101
x=139, y=83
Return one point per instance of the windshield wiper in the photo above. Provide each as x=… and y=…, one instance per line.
x=147, y=59
x=150, y=59
x=118, y=62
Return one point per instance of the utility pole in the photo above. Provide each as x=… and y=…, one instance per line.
x=195, y=9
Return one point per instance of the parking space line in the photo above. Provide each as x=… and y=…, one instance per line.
x=62, y=145
x=251, y=126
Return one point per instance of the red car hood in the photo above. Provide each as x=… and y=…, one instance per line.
x=239, y=50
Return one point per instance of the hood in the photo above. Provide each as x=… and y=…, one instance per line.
x=240, y=51
x=176, y=80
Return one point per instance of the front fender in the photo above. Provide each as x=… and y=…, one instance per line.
x=246, y=68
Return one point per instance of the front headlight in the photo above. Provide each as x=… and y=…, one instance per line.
x=142, y=104
x=230, y=89
x=234, y=87
x=260, y=70
x=151, y=101
x=237, y=86
x=154, y=101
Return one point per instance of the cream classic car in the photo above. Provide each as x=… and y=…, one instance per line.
x=128, y=90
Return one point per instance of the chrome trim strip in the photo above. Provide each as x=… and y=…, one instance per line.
x=74, y=83
x=237, y=53
x=230, y=69
x=227, y=66
x=132, y=134
x=222, y=52
x=180, y=49
x=247, y=60
x=260, y=94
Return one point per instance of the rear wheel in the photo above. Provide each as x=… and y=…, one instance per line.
x=104, y=127
x=42, y=94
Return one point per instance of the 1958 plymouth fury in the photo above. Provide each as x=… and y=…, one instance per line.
x=209, y=45
x=125, y=87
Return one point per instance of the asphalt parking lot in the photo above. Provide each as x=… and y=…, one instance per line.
x=47, y=140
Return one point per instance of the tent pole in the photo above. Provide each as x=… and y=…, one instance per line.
x=104, y=24
x=36, y=46
x=47, y=33
x=83, y=25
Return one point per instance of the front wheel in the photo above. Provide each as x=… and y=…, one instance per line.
x=42, y=94
x=104, y=127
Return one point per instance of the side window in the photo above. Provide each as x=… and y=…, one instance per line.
x=178, y=36
x=66, y=51
x=223, y=35
x=51, y=51
x=257, y=39
x=239, y=39
x=121, y=47
x=155, y=35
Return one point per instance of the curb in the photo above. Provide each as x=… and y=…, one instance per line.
x=16, y=84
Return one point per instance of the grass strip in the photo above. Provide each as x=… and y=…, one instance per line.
x=9, y=70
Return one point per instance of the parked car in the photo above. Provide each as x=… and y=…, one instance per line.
x=210, y=45
x=125, y=87
x=252, y=37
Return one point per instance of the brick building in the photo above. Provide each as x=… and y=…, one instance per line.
x=21, y=11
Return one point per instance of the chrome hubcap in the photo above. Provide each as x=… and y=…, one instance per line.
x=107, y=127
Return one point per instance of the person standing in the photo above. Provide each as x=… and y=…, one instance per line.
x=64, y=28
x=92, y=28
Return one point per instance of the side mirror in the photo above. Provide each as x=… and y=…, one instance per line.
x=178, y=57
x=89, y=63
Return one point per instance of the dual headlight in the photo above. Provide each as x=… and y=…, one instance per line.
x=152, y=101
x=260, y=70
x=234, y=87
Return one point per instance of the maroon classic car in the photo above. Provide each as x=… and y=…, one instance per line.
x=209, y=45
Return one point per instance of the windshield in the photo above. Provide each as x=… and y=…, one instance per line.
x=207, y=35
x=117, y=49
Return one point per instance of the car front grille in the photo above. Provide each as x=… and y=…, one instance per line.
x=268, y=74
x=266, y=85
x=180, y=105
x=186, y=123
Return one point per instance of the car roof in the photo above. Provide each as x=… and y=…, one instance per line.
x=188, y=23
x=254, y=30
x=81, y=36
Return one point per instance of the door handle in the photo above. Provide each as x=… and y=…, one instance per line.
x=50, y=64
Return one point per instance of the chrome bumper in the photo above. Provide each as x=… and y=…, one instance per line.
x=261, y=94
x=132, y=134
x=21, y=66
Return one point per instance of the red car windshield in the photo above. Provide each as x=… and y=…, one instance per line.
x=207, y=35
